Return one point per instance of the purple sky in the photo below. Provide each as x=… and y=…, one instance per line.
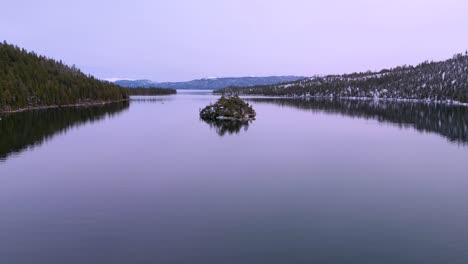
x=178, y=40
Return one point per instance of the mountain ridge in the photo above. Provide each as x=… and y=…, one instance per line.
x=209, y=83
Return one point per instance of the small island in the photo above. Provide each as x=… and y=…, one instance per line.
x=228, y=108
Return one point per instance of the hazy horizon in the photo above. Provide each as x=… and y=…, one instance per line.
x=184, y=40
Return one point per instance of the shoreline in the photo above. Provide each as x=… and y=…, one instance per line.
x=87, y=104
x=403, y=100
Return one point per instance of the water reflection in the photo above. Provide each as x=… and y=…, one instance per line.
x=449, y=121
x=151, y=99
x=21, y=131
x=229, y=127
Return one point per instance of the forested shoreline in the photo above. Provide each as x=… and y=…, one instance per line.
x=150, y=91
x=445, y=81
x=31, y=81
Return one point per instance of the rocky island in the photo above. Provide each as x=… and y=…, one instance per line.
x=228, y=108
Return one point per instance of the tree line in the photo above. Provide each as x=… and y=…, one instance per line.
x=30, y=80
x=150, y=91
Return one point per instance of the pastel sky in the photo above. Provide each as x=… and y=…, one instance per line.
x=177, y=40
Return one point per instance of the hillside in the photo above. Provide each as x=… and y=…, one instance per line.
x=28, y=80
x=431, y=81
x=210, y=83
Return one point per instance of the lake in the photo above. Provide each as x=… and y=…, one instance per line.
x=309, y=181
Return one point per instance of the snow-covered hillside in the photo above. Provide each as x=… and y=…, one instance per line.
x=432, y=81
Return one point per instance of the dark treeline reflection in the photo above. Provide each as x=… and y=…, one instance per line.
x=150, y=99
x=20, y=131
x=450, y=121
x=223, y=127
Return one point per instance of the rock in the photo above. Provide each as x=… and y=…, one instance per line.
x=228, y=108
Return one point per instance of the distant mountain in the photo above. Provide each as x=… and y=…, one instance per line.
x=210, y=83
x=135, y=83
x=431, y=81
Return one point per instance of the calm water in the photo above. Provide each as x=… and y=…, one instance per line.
x=307, y=182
